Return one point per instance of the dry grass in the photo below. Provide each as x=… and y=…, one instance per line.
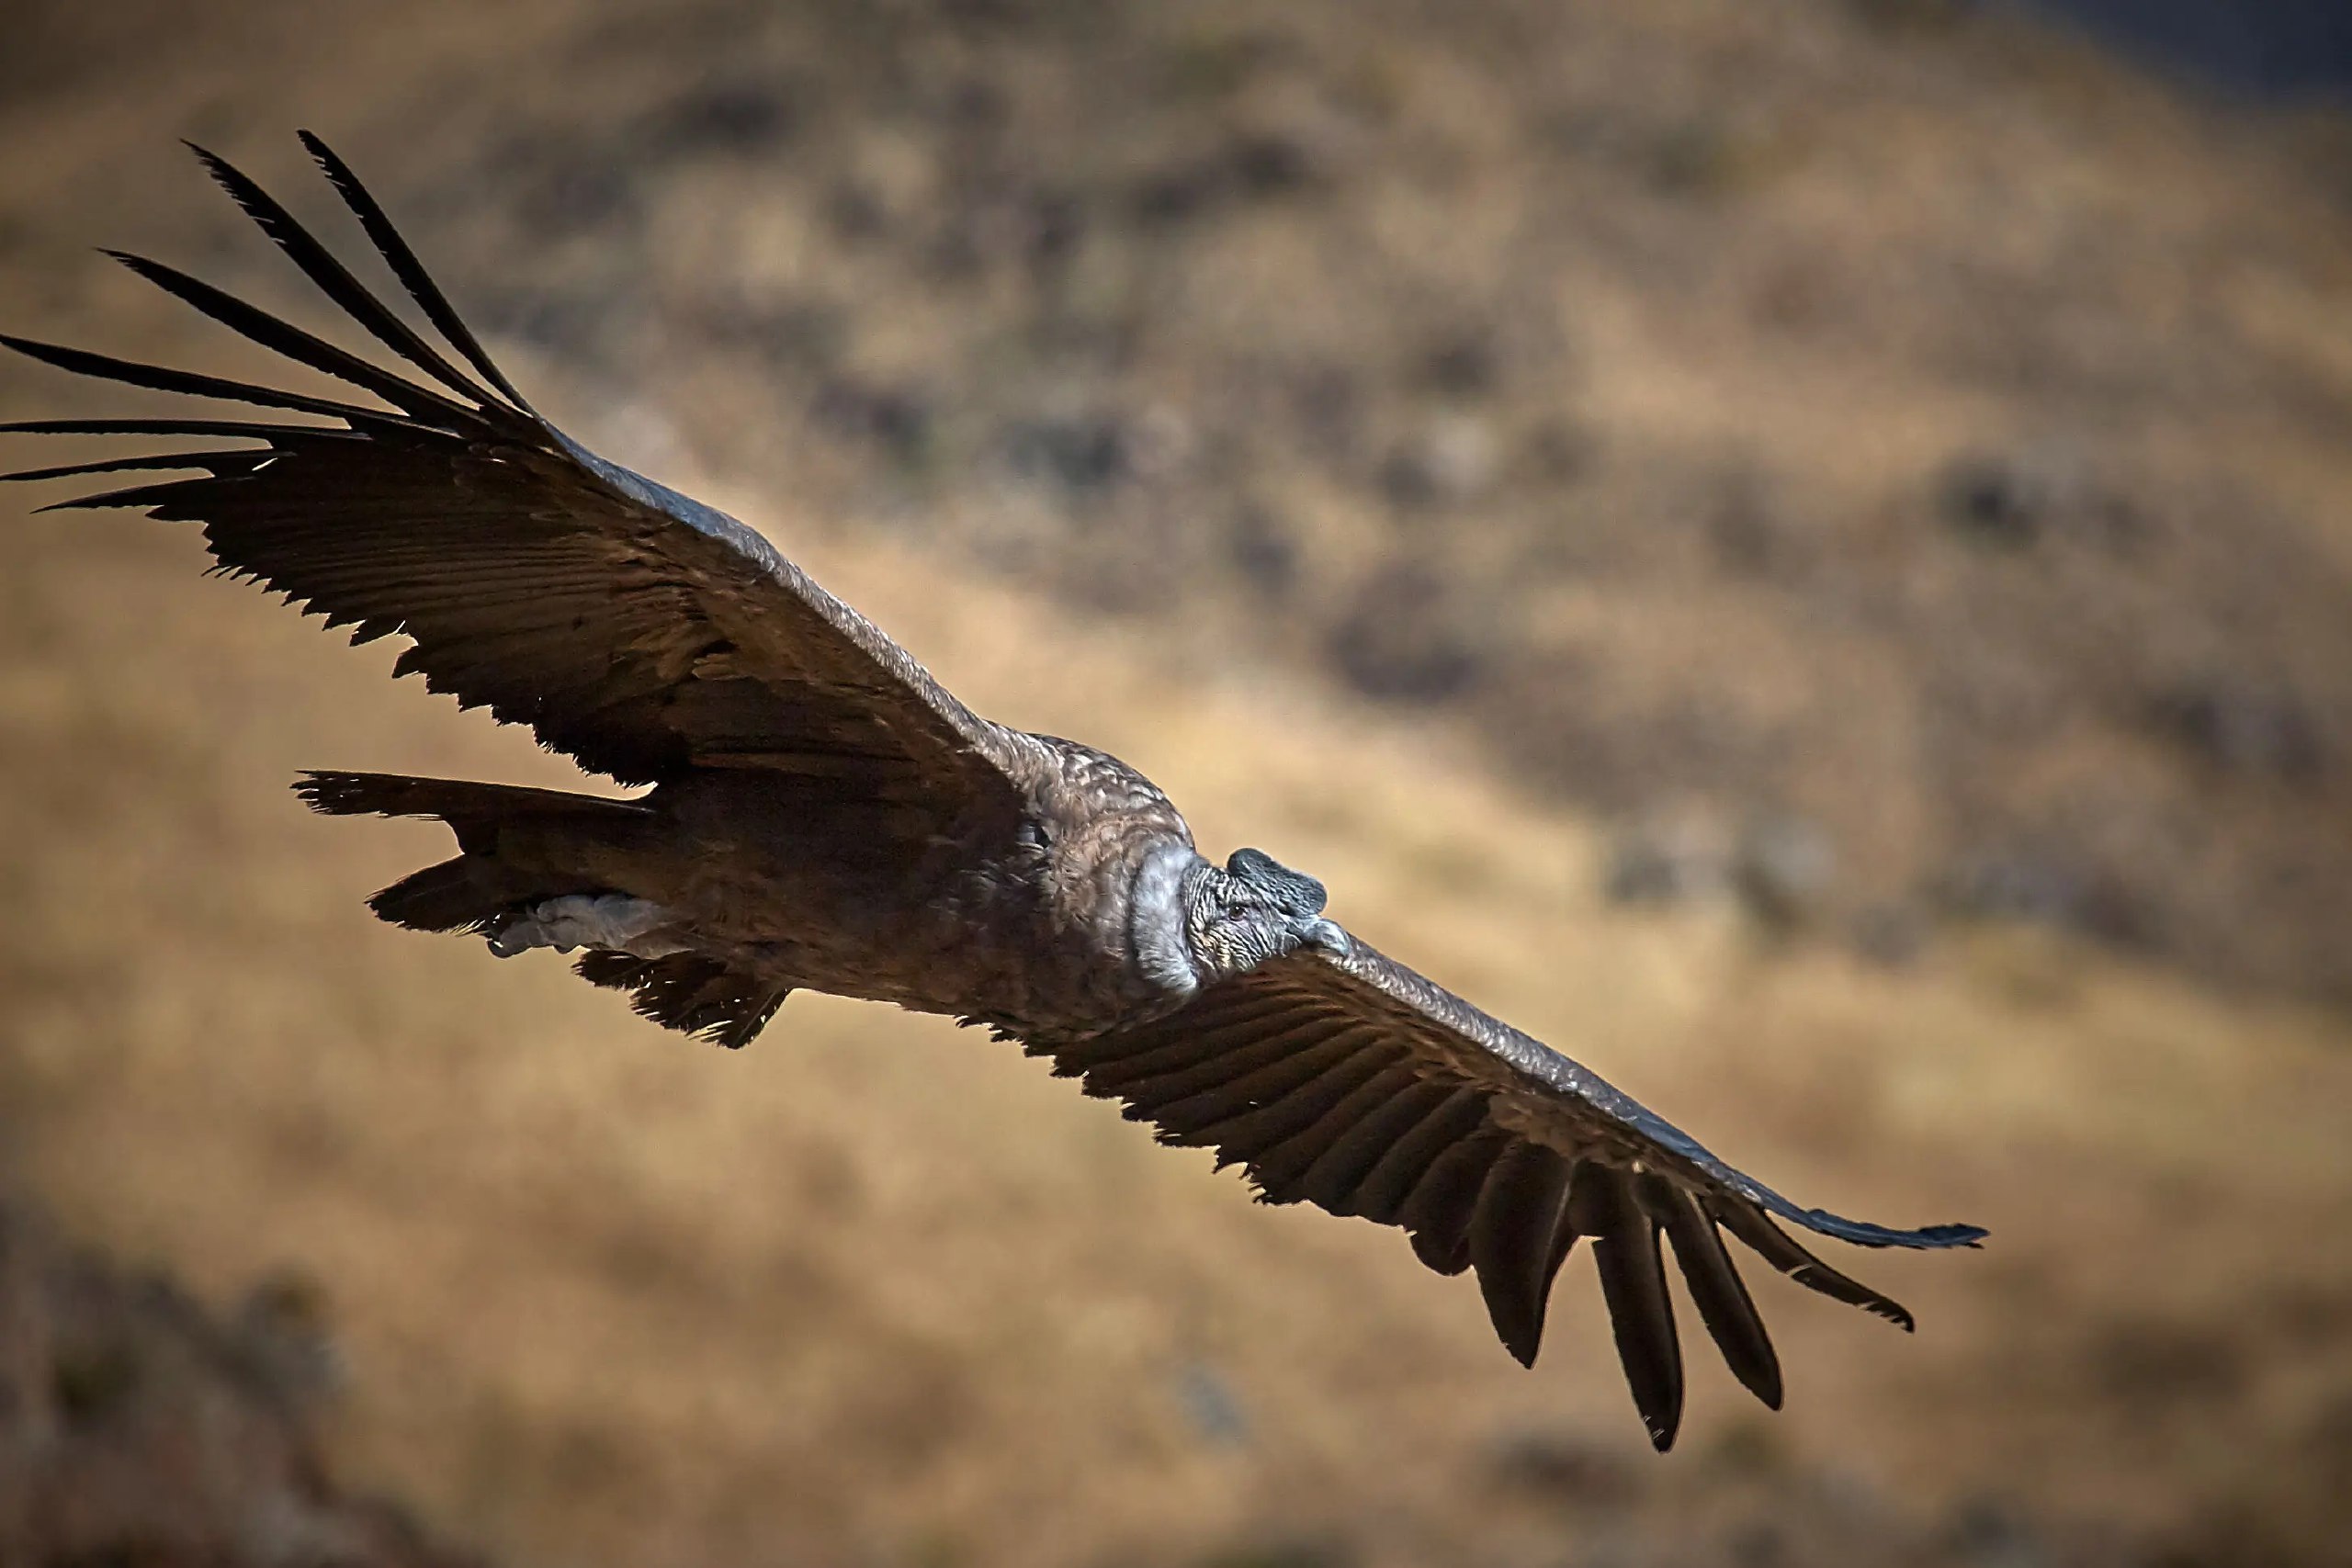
x=878, y=1287
x=878, y=1292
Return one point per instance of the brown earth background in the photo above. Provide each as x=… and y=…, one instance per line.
x=1797, y=548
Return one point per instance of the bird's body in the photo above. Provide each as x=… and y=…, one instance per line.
x=824, y=815
x=990, y=915
x=1025, y=917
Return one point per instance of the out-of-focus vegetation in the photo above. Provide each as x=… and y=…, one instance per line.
x=1795, y=549
x=141, y=1429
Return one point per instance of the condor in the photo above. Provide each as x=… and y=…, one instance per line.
x=822, y=815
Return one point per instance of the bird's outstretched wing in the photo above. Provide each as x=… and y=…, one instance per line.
x=1357, y=1085
x=639, y=631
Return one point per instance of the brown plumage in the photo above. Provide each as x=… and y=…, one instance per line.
x=823, y=815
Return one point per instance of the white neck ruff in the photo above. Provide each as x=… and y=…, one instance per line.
x=1156, y=923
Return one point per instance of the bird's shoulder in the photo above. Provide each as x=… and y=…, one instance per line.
x=1079, y=791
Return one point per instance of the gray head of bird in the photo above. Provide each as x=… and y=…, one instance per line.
x=1253, y=909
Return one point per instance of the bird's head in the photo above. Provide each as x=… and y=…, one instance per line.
x=1253, y=909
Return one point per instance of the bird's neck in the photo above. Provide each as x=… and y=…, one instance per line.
x=1156, y=922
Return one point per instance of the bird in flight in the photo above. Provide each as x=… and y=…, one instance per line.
x=822, y=815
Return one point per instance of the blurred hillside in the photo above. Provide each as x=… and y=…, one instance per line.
x=140, y=1430
x=1607, y=487
x=1869, y=450
x=1873, y=454
x=2288, y=47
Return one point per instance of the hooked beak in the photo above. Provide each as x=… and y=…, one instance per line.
x=1325, y=935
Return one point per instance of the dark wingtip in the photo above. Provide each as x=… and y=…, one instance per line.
x=220, y=168
x=330, y=164
x=1862, y=1233
x=322, y=791
x=1955, y=1235
x=143, y=265
x=135, y=496
x=214, y=463
x=225, y=173
x=406, y=267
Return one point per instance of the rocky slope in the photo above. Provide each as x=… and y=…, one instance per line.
x=1611, y=488
x=1881, y=457
x=139, y=1430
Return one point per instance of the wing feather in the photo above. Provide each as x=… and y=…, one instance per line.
x=1244, y=1137
x=1633, y=1281
x=1336, y=1179
x=303, y=347
x=334, y=281
x=1355, y=1084
x=403, y=262
x=1280, y=1170
x=1521, y=1209
x=164, y=379
x=227, y=461
x=637, y=630
x=1724, y=1306
x=1438, y=1210
x=1383, y=1194
x=1229, y=1060
x=256, y=430
x=1303, y=1054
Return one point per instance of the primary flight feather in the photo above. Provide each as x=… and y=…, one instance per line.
x=824, y=815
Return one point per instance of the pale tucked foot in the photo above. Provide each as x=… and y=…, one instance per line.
x=612, y=921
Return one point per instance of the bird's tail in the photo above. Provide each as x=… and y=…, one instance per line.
x=514, y=840
x=461, y=803
x=524, y=845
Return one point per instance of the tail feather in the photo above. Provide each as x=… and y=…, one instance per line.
x=461, y=894
x=470, y=892
x=473, y=810
x=476, y=891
